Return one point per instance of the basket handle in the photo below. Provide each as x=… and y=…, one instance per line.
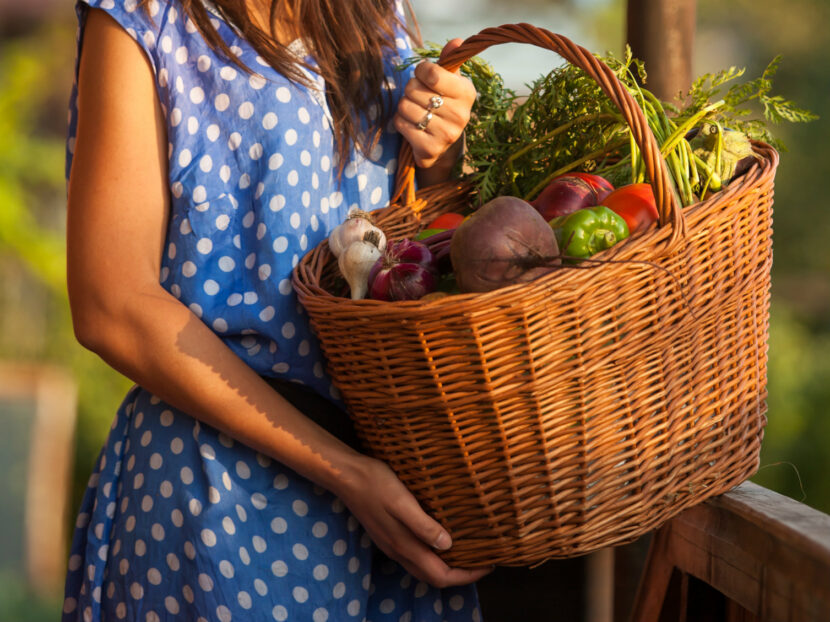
x=665, y=195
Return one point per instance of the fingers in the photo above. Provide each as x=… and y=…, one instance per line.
x=447, y=83
x=408, y=511
x=399, y=527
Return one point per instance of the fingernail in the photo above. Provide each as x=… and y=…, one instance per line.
x=443, y=542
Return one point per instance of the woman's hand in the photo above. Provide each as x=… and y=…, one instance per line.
x=432, y=115
x=399, y=526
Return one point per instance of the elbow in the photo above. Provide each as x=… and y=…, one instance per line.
x=89, y=325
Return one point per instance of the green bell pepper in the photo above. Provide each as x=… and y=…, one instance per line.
x=590, y=230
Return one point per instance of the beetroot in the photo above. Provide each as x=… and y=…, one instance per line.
x=570, y=192
x=505, y=241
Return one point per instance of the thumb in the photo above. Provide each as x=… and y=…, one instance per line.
x=449, y=47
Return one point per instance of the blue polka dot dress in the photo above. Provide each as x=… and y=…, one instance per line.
x=179, y=521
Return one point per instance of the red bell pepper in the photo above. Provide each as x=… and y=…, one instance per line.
x=636, y=204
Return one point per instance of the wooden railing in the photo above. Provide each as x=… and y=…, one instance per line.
x=750, y=555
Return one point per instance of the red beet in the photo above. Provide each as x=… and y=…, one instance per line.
x=505, y=241
x=570, y=192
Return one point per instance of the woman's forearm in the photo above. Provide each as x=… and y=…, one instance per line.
x=159, y=343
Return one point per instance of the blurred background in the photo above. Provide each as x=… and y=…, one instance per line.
x=53, y=394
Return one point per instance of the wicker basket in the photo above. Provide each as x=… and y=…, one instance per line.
x=587, y=407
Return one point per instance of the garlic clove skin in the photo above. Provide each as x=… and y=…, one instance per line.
x=354, y=228
x=355, y=263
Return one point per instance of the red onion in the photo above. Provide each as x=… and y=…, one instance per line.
x=570, y=192
x=405, y=271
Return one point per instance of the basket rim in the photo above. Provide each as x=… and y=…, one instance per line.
x=630, y=250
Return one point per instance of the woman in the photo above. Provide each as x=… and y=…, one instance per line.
x=210, y=146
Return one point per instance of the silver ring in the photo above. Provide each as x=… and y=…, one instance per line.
x=422, y=124
x=435, y=102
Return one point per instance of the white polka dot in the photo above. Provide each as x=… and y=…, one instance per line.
x=136, y=590
x=244, y=600
x=147, y=503
x=354, y=565
x=204, y=246
x=319, y=529
x=172, y=605
x=206, y=164
x=255, y=151
x=158, y=532
x=300, y=551
x=260, y=587
x=280, y=244
x=223, y=613
x=279, y=525
x=177, y=518
x=279, y=568
x=234, y=140
x=377, y=193
x=320, y=615
x=320, y=572
x=267, y=314
x=250, y=298
x=283, y=94
x=325, y=163
x=269, y=121
x=339, y=590
x=291, y=136
x=275, y=161
x=256, y=81
x=387, y=605
x=300, y=594
x=294, y=220
x=302, y=115
x=244, y=556
x=205, y=582
x=285, y=287
x=188, y=268
x=185, y=157
x=203, y=63
x=181, y=55
x=259, y=544
x=197, y=95
x=246, y=110
x=211, y=287
x=208, y=537
x=226, y=568
x=353, y=608
x=264, y=272
x=288, y=331
x=213, y=495
x=340, y=548
x=69, y=605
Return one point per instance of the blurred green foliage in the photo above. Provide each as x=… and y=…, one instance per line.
x=35, y=78
x=35, y=325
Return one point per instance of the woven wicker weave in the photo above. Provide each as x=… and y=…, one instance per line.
x=587, y=407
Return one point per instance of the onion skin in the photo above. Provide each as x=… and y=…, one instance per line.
x=405, y=271
x=567, y=193
x=505, y=241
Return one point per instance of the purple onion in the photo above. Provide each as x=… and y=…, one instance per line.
x=405, y=271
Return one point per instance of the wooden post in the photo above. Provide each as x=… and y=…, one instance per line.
x=661, y=34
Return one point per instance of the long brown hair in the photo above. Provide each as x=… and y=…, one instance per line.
x=348, y=40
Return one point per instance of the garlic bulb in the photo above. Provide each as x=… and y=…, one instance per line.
x=352, y=230
x=356, y=262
